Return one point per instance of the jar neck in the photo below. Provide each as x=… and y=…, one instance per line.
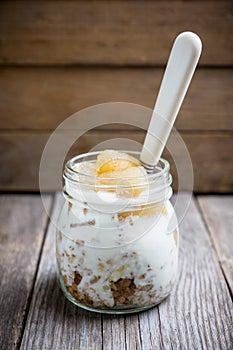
x=154, y=188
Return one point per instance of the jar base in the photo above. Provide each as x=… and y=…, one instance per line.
x=112, y=311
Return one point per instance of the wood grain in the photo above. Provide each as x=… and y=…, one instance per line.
x=218, y=214
x=111, y=32
x=114, y=333
x=41, y=98
x=197, y=315
x=63, y=325
x=150, y=330
x=22, y=226
x=210, y=153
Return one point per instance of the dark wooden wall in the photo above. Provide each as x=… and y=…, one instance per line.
x=57, y=57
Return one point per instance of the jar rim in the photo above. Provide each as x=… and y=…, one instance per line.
x=151, y=187
x=70, y=173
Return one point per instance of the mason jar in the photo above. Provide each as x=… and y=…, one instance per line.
x=117, y=241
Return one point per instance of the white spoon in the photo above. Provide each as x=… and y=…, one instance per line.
x=181, y=65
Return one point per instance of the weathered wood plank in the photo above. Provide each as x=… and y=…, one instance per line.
x=140, y=331
x=22, y=225
x=198, y=313
x=210, y=153
x=111, y=32
x=132, y=333
x=114, y=330
x=53, y=322
x=121, y=333
x=150, y=331
x=218, y=213
x=41, y=98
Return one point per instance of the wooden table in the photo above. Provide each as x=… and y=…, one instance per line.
x=34, y=314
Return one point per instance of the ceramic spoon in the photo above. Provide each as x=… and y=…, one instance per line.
x=181, y=65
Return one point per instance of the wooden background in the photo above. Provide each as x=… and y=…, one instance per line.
x=57, y=57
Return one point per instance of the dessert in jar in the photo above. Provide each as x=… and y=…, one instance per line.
x=117, y=233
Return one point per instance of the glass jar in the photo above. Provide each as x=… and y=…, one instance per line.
x=117, y=243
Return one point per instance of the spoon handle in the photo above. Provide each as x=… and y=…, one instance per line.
x=181, y=65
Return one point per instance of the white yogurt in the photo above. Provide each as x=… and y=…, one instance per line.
x=105, y=248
